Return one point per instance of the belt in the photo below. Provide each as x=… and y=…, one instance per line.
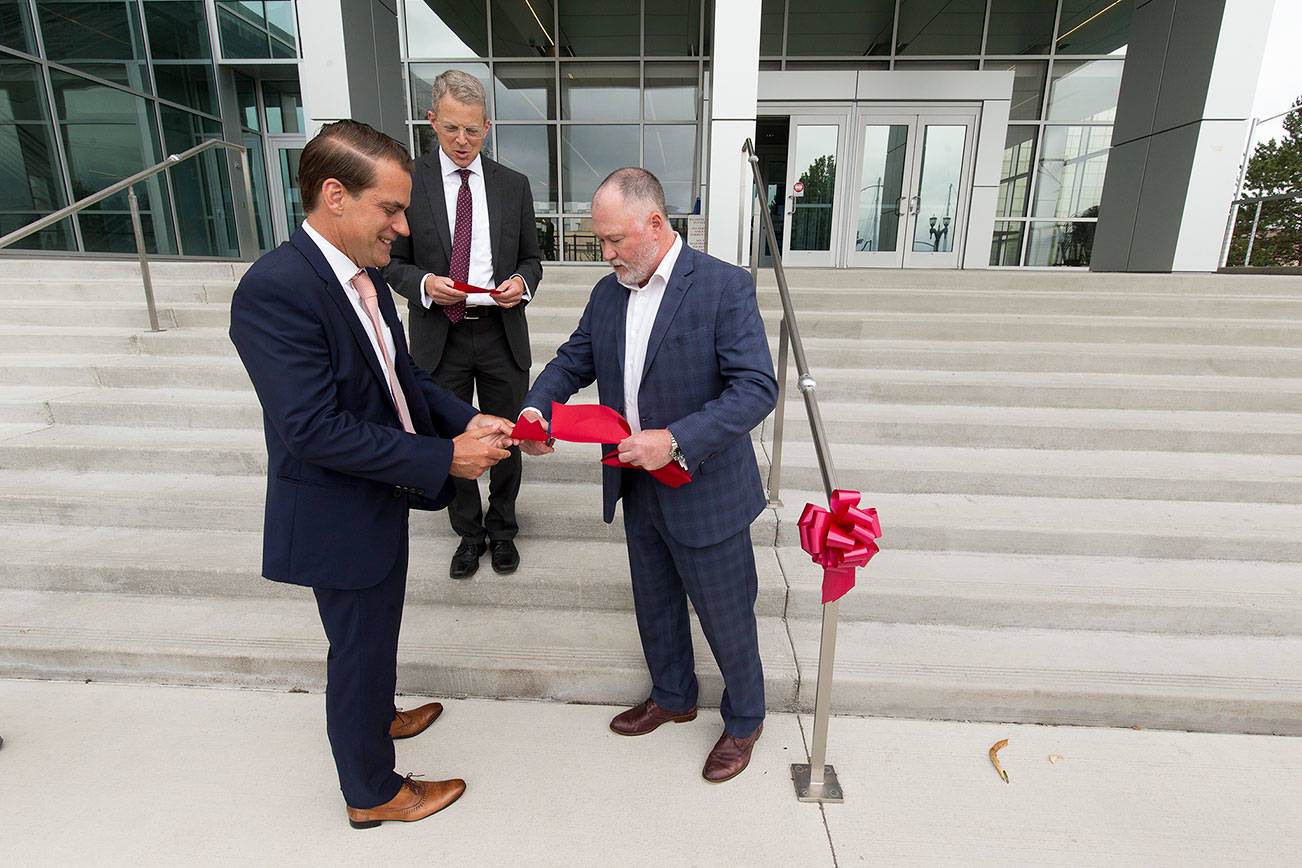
x=481, y=311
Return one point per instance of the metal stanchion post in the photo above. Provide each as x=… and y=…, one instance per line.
x=816, y=781
x=779, y=415
x=134, y=204
x=1256, y=218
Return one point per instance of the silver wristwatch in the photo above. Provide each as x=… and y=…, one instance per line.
x=676, y=451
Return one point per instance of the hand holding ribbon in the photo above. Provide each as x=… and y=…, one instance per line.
x=594, y=423
x=839, y=540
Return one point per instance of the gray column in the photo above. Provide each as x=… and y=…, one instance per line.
x=352, y=64
x=1186, y=94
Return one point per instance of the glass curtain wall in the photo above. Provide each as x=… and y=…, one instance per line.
x=1066, y=56
x=577, y=88
x=92, y=91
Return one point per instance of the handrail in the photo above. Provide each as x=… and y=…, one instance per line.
x=1256, y=219
x=816, y=781
x=126, y=184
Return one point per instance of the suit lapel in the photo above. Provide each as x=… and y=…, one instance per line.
x=438, y=203
x=679, y=282
x=335, y=291
x=621, y=334
x=496, y=207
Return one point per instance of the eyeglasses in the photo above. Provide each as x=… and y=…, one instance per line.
x=472, y=133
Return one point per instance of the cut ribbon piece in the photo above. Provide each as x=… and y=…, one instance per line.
x=839, y=540
x=462, y=286
x=595, y=423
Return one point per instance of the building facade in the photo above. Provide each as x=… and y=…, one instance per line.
x=889, y=133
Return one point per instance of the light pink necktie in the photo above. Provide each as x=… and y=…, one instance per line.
x=362, y=283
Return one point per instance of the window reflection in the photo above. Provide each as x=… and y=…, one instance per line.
x=525, y=91
x=940, y=26
x=854, y=27
x=102, y=39
x=458, y=29
x=606, y=29
x=198, y=185
x=523, y=28
x=1060, y=244
x=669, y=153
x=30, y=186
x=16, y=26
x=1084, y=90
x=1006, y=244
x=673, y=28
x=531, y=150
x=1094, y=26
x=599, y=91
x=669, y=93
x=1021, y=26
x=1015, y=178
x=590, y=152
x=284, y=105
x=1073, y=161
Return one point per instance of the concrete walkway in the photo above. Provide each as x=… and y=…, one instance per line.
x=143, y=775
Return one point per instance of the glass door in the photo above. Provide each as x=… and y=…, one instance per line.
x=913, y=176
x=811, y=234
x=282, y=170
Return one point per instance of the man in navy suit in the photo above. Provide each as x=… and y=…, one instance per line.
x=675, y=343
x=356, y=434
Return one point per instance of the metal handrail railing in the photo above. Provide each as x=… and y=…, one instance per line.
x=1256, y=219
x=127, y=184
x=815, y=781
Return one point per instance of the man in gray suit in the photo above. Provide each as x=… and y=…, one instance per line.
x=471, y=222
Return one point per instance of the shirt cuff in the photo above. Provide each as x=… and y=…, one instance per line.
x=425, y=299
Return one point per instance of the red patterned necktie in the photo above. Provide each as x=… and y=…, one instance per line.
x=459, y=266
x=361, y=282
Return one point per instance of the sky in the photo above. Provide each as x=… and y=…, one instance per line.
x=1281, y=69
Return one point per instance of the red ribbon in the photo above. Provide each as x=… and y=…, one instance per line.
x=461, y=286
x=595, y=423
x=839, y=540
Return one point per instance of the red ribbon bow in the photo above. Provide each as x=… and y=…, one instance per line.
x=839, y=540
x=595, y=423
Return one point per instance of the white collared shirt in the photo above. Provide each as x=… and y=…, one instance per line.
x=481, y=247
x=639, y=318
x=344, y=269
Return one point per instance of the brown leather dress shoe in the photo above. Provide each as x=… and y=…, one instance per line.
x=415, y=801
x=641, y=719
x=730, y=756
x=408, y=723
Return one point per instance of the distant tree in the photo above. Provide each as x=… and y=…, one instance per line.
x=1275, y=167
x=819, y=180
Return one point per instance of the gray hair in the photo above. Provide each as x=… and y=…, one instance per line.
x=637, y=185
x=461, y=86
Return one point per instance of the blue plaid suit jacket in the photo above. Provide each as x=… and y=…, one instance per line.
x=708, y=377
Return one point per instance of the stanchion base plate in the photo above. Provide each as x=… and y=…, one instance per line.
x=830, y=791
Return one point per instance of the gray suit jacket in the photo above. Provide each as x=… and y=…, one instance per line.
x=429, y=248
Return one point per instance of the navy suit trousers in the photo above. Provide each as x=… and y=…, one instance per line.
x=361, y=679
x=721, y=581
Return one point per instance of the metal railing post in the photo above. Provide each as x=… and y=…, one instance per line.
x=814, y=781
x=248, y=202
x=1256, y=218
x=139, y=232
x=779, y=415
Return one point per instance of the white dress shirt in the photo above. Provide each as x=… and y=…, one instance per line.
x=639, y=317
x=344, y=269
x=481, y=248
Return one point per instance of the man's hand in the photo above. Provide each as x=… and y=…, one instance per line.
x=501, y=430
x=536, y=447
x=471, y=456
x=646, y=449
x=440, y=290
x=512, y=291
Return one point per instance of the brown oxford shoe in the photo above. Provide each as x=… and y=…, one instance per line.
x=408, y=723
x=730, y=756
x=641, y=719
x=415, y=801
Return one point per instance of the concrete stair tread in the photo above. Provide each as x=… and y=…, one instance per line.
x=1099, y=592
x=1066, y=379
x=1226, y=683
x=554, y=572
x=580, y=656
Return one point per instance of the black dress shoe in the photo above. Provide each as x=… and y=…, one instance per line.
x=465, y=563
x=505, y=556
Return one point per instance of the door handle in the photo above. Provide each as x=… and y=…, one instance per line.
x=915, y=204
x=901, y=207
x=791, y=211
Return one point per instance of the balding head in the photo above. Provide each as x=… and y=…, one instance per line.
x=638, y=189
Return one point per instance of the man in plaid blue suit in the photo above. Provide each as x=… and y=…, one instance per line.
x=675, y=343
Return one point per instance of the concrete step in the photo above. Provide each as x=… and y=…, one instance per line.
x=1047, y=428
x=130, y=291
x=1070, y=526
x=1084, y=677
x=68, y=340
x=500, y=652
x=562, y=511
x=1085, y=390
x=555, y=572
x=118, y=269
x=1081, y=592
x=1024, y=280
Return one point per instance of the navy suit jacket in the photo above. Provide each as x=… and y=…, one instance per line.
x=708, y=377
x=341, y=471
